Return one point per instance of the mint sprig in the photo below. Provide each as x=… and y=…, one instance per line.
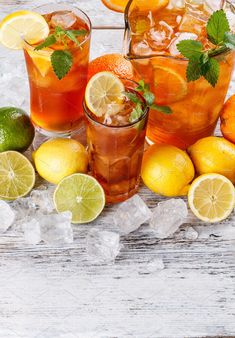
x=140, y=107
x=61, y=60
x=202, y=62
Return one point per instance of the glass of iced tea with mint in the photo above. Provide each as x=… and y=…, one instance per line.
x=57, y=69
x=116, y=137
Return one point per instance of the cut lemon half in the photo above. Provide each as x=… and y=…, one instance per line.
x=169, y=85
x=144, y=5
x=82, y=195
x=17, y=175
x=211, y=197
x=20, y=26
x=104, y=94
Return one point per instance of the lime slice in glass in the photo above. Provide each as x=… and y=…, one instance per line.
x=17, y=175
x=82, y=195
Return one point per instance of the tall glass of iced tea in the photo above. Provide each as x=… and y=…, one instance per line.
x=56, y=105
x=116, y=148
x=153, y=30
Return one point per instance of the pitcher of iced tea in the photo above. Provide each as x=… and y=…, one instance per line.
x=153, y=30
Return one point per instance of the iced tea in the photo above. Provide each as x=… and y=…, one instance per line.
x=116, y=149
x=56, y=105
x=151, y=39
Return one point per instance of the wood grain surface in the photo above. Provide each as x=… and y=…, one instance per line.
x=57, y=292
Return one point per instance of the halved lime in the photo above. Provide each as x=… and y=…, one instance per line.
x=82, y=195
x=17, y=175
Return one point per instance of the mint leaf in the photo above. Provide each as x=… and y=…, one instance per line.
x=190, y=48
x=149, y=98
x=230, y=40
x=217, y=26
x=193, y=72
x=78, y=32
x=133, y=97
x=137, y=112
x=211, y=73
x=61, y=61
x=72, y=37
x=49, y=41
x=162, y=109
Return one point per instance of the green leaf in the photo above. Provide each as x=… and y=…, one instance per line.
x=141, y=86
x=211, y=74
x=149, y=98
x=162, y=109
x=61, y=61
x=133, y=97
x=137, y=112
x=78, y=32
x=193, y=70
x=217, y=26
x=59, y=30
x=49, y=41
x=190, y=48
x=230, y=40
x=72, y=37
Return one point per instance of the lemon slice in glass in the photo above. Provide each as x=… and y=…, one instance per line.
x=82, y=195
x=17, y=175
x=22, y=25
x=211, y=197
x=104, y=91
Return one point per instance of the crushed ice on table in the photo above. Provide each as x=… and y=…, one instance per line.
x=32, y=231
x=56, y=228
x=131, y=214
x=42, y=200
x=168, y=216
x=156, y=264
x=191, y=234
x=102, y=245
x=22, y=210
x=7, y=216
x=64, y=19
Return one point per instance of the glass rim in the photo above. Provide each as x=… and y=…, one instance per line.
x=30, y=46
x=131, y=124
x=127, y=40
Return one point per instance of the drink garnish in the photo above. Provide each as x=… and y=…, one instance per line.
x=202, y=62
x=141, y=106
x=61, y=60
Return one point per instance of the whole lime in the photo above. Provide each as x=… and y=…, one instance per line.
x=16, y=129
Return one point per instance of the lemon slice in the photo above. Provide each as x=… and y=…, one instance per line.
x=211, y=197
x=104, y=94
x=82, y=195
x=17, y=175
x=41, y=60
x=169, y=85
x=23, y=25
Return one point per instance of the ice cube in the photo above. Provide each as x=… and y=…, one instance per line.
x=22, y=210
x=7, y=216
x=42, y=200
x=102, y=245
x=131, y=214
x=191, y=234
x=154, y=265
x=168, y=216
x=32, y=231
x=142, y=48
x=64, y=19
x=181, y=36
x=160, y=36
x=56, y=228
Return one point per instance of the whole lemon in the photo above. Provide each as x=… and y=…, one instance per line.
x=59, y=157
x=214, y=155
x=167, y=170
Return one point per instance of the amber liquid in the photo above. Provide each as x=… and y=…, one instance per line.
x=195, y=105
x=115, y=153
x=56, y=105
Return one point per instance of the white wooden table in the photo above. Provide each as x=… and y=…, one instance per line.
x=55, y=292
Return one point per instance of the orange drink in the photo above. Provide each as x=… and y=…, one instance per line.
x=116, y=148
x=56, y=104
x=151, y=38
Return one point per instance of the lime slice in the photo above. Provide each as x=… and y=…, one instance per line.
x=82, y=195
x=23, y=25
x=17, y=175
x=104, y=94
x=211, y=197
